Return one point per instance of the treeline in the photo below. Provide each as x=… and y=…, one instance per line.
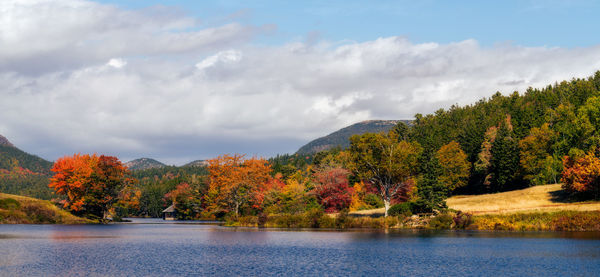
x=155, y=183
x=518, y=140
x=542, y=136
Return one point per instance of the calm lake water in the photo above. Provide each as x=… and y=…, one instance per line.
x=158, y=249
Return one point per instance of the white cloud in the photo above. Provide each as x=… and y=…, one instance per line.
x=182, y=92
x=223, y=57
x=116, y=63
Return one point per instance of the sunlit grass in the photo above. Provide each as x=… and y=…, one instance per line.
x=35, y=211
x=535, y=199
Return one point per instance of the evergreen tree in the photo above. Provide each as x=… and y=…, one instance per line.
x=430, y=191
x=505, y=159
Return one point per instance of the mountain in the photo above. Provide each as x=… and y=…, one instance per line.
x=342, y=136
x=5, y=142
x=22, y=173
x=143, y=163
x=197, y=163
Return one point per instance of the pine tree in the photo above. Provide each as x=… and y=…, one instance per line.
x=505, y=159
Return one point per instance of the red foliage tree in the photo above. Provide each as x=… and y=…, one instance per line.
x=333, y=190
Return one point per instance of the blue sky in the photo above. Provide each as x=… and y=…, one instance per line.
x=525, y=23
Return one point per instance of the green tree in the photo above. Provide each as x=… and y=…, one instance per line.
x=537, y=162
x=431, y=193
x=505, y=158
x=384, y=162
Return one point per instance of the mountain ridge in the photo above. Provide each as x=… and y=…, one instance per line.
x=5, y=142
x=341, y=137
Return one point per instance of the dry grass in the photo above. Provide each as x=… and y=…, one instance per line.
x=33, y=210
x=546, y=198
x=372, y=212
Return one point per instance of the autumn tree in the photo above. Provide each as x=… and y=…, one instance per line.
x=483, y=165
x=91, y=184
x=454, y=165
x=186, y=199
x=582, y=174
x=332, y=189
x=383, y=161
x=537, y=161
x=233, y=181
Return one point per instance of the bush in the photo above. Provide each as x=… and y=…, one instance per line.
x=262, y=220
x=442, y=221
x=39, y=214
x=423, y=207
x=373, y=200
x=312, y=217
x=247, y=220
x=402, y=209
x=462, y=220
x=9, y=204
x=341, y=221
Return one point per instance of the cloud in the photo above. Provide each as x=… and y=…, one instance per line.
x=41, y=36
x=79, y=76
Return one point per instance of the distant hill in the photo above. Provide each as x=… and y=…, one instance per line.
x=22, y=173
x=143, y=163
x=197, y=163
x=5, y=142
x=342, y=136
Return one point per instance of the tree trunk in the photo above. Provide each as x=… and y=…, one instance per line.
x=386, y=202
x=237, y=209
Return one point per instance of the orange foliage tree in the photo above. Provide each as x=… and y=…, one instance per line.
x=582, y=174
x=234, y=182
x=91, y=184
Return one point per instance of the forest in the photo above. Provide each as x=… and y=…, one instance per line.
x=541, y=136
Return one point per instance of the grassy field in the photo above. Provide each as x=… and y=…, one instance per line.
x=15, y=209
x=548, y=198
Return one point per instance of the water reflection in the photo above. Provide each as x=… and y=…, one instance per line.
x=161, y=249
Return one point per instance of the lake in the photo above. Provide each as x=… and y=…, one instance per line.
x=155, y=248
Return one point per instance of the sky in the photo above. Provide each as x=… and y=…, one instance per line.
x=184, y=80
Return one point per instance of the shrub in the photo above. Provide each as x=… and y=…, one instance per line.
x=312, y=217
x=327, y=222
x=402, y=209
x=462, y=220
x=373, y=200
x=9, y=204
x=442, y=221
x=262, y=220
x=39, y=214
x=341, y=221
x=247, y=220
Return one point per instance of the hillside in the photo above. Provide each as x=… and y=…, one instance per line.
x=341, y=137
x=16, y=209
x=22, y=173
x=4, y=141
x=143, y=163
x=534, y=199
x=197, y=163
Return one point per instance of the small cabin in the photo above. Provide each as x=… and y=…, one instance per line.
x=169, y=213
